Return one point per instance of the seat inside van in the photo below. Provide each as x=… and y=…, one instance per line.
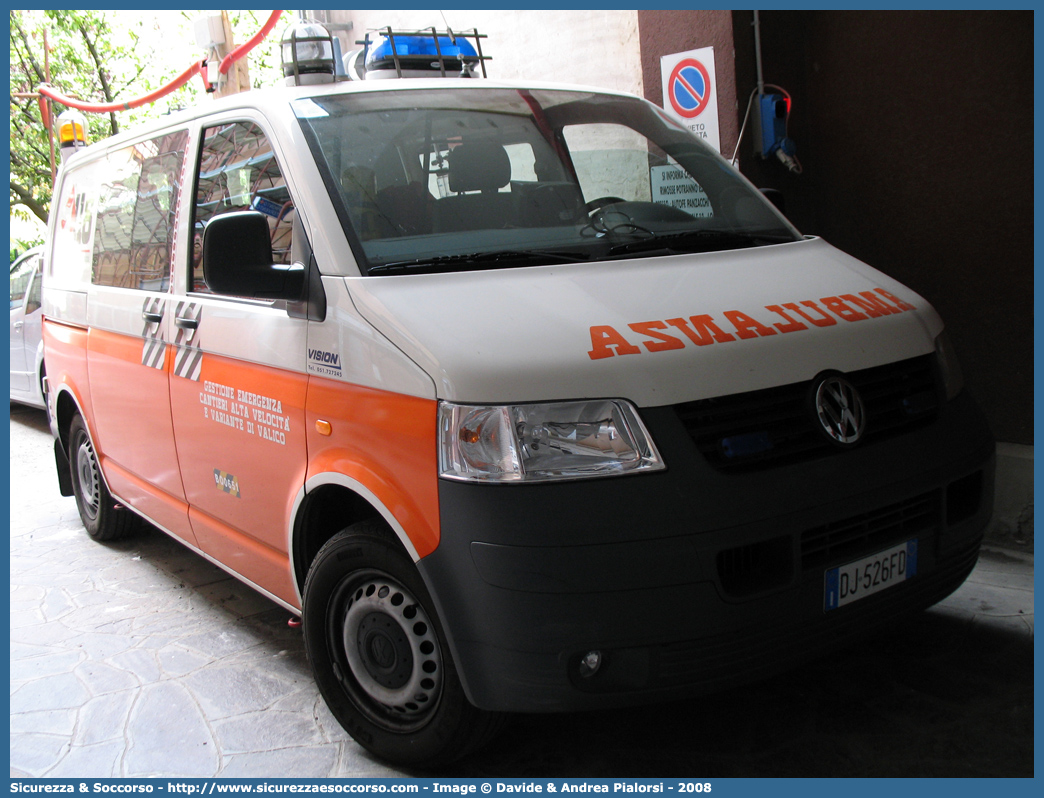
x=477, y=172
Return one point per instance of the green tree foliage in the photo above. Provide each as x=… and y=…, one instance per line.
x=266, y=67
x=103, y=57
x=80, y=46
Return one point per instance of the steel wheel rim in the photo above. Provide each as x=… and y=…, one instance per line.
x=390, y=649
x=87, y=471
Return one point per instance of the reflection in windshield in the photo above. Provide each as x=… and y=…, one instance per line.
x=469, y=178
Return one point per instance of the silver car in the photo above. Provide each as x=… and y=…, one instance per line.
x=27, y=368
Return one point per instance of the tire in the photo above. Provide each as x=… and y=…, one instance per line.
x=102, y=518
x=379, y=654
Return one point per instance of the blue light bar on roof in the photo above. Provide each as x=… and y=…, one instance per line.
x=421, y=52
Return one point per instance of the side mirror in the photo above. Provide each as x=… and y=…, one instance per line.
x=237, y=259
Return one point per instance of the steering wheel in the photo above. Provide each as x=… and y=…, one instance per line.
x=598, y=204
x=598, y=223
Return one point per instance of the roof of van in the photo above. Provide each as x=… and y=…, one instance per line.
x=275, y=98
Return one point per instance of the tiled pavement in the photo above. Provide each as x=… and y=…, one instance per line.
x=138, y=658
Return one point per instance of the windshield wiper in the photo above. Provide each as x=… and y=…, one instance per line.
x=481, y=260
x=698, y=241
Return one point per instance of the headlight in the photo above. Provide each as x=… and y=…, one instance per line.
x=949, y=368
x=541, y=442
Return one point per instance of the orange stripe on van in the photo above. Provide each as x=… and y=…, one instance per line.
x=387, y=442
x=246, y=556
x=264, y=457
x=66, y=346
x=132, y=418
x=116, y=345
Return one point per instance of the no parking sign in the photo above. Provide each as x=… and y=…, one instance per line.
x=690, y=92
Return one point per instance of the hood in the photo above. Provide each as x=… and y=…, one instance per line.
x=656, y=331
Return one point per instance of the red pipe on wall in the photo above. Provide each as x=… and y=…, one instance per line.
x=243, y=49
x=104, y=108
x=177, y=83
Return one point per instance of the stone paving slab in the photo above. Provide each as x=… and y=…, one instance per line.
x=140, y=659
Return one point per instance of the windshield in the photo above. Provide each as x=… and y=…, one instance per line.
x=473, y=178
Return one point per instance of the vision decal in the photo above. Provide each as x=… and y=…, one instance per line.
x=325, y=363
x=703, y=330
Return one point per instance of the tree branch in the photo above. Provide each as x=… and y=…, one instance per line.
x=28, y=49
x=29, y=133
x=25, y=197
x=106, y=90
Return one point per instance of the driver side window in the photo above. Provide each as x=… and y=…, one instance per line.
x=238, y=171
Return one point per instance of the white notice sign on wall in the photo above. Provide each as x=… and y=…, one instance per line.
x=672, y=185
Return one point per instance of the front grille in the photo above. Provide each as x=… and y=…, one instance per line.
x=860, y=534
x=776, y=426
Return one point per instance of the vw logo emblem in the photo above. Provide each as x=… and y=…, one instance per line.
x=840, y=410
x=382, y=651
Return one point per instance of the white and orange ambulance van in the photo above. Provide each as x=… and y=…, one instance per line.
x=520, y=396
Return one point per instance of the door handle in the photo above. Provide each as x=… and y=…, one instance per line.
x=152, y=318
x=186, y=323
x=18, y=326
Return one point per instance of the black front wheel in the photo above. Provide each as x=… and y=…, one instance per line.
x=380, y=657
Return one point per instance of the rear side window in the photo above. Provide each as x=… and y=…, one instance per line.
x=116, y=217
x=238, y=171
x=134, y=233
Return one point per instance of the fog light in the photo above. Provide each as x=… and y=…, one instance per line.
x=590, y=663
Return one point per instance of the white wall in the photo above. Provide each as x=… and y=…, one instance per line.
x=591, y=47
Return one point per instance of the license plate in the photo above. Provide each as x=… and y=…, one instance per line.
x=862, y=578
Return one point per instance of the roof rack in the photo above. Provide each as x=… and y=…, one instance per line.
x=430, y=45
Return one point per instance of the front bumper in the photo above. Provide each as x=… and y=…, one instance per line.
x=690, y=579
